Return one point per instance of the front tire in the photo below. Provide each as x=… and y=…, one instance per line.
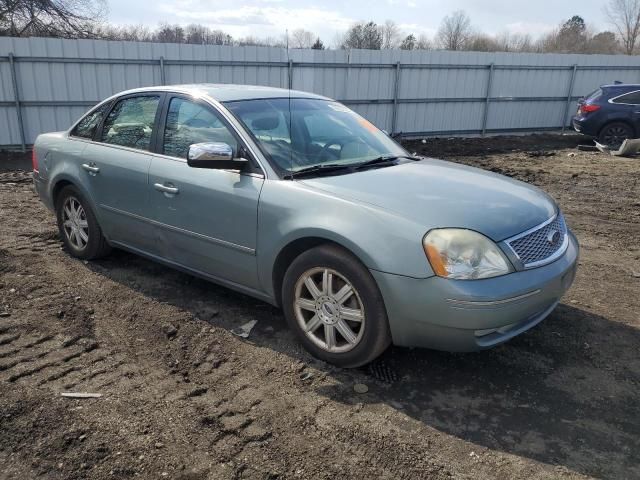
x=78, y=226
x=333, y=304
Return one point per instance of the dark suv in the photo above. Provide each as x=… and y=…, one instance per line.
x=611, y=114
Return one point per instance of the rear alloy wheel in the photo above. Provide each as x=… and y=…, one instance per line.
x=74, y=223
x=78, y=226
x=333, y=304
x=613, y=135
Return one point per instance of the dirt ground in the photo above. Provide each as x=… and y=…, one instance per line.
x=184, y=398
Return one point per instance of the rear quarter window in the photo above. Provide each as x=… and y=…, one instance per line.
x=86, y=128
x=632, y=98
x=594, y=95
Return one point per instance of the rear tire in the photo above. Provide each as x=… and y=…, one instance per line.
x=614, y=134
x=78, y=226
x=334, y=306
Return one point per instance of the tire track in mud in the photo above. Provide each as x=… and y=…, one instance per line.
x=15, y=177
x=34, y=242
x=60, y=363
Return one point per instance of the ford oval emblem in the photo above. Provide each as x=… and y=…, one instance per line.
x=554, y=237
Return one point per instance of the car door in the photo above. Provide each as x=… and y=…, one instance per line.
x=206, y=219
x=117, y=164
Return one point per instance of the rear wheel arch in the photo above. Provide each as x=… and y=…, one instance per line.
x=623, y=121
x=57, y=188
x=60, y=183
x=70, y=198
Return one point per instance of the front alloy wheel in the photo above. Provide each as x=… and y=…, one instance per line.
x=334, y=306
x=329, y=310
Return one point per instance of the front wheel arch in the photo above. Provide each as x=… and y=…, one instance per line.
x=371, y=341
x=293, y=250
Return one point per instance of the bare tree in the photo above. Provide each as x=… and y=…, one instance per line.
x=301, y=39
x=514, y=42
x=53, y=18
x=391, y=35
x=481, y=42
x=169, y=34
x=410, y=42
x=424, y=43
x=455, y=31
x=203, y=35
x=625, y=16
x=604, y=42
x=131, y=33
x=262, y=42
x=196, y=34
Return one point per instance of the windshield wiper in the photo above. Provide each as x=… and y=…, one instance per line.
x=384, y=159
x=333, y=167
x=319, y=169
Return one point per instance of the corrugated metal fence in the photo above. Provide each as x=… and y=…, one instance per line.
x=48, y=83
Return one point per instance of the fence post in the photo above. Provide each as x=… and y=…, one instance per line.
x=487, y=100
x=163, y=79
x=569, y=97
x=347, y=76
x=394, y=114
x=290, y=74
x=16, y=97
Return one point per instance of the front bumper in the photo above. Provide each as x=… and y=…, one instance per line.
x=470, y=315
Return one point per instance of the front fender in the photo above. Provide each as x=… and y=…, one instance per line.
x=382, y=241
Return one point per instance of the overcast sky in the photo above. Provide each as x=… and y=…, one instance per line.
x=264, y=18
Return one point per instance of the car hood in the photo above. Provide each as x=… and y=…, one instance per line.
x=439, y=194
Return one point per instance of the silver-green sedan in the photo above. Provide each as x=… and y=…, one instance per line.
x=295, y=199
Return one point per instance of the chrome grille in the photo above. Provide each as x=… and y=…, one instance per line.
x=538, y=246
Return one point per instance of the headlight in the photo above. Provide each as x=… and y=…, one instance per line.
x=464, y=254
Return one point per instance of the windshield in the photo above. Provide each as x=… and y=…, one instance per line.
x=316, y=132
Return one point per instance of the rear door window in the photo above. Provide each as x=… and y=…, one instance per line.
x=130, y=123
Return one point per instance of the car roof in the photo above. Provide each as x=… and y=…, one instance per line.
x=622, y=85
x=229, y=92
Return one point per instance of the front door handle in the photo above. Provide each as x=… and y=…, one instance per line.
x=166, y=188
x=91, y=168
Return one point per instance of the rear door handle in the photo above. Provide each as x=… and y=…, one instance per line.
x=166, y=188
x=90, y=167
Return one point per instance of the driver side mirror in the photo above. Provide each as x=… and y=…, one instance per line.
x=216, y=155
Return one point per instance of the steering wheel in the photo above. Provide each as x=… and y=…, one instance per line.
x=340, y=141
